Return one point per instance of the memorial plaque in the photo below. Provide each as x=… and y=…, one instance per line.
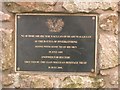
x=56, y=42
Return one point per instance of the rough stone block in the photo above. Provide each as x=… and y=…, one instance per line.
x=17, y=7
x=108, y=57
x=88, y=7
x=6, y=53
x=109, y=22
x=4, y=17
x=35, y=81
x=111, y=77
x=7, y=80
x=82, y=82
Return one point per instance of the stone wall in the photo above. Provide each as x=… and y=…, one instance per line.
x=107, y=58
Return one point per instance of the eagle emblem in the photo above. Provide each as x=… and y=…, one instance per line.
x=55, y=25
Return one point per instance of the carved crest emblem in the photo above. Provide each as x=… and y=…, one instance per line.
x=55, y=25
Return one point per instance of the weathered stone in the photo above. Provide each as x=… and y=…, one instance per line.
x=110, y=77
x=6, y=48
x=16, y=7
x=4, y=17
x=119, y=6
x=109, y=50
x=56, y=81
x=1, y=60
x=36, y=81
x=70, y=7
x=59, y=8
x=77, y=6
x=7, y=80
x=82, y=82
x=25, y=81
x=0, y=79
x=114, y=78
x=50, y=2
x=17, y=80
x=109, y=22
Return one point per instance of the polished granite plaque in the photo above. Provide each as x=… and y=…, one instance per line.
x=56, y=42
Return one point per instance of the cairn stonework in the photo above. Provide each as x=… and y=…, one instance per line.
x=107, y=47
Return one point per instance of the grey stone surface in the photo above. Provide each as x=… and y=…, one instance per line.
x=111, y=77
x=119, y=6
x=88, y=7
x=4, y=17
x=1, y=53
x=109, y=22
x=70, y=6
x=82, y=82
x=50, y=2
x=7, y=80
x=0, y=79
x=17, y=7
x=35, y=81
x=7, y=48
x=109, y=50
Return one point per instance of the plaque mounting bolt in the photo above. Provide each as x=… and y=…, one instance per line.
x=92, y=70
x=18, y=68
x=93, y=18
x=18, y=17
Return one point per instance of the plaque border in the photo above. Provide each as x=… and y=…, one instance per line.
x=58, y=73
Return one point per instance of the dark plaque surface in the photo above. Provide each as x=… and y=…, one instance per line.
x=56, y=43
